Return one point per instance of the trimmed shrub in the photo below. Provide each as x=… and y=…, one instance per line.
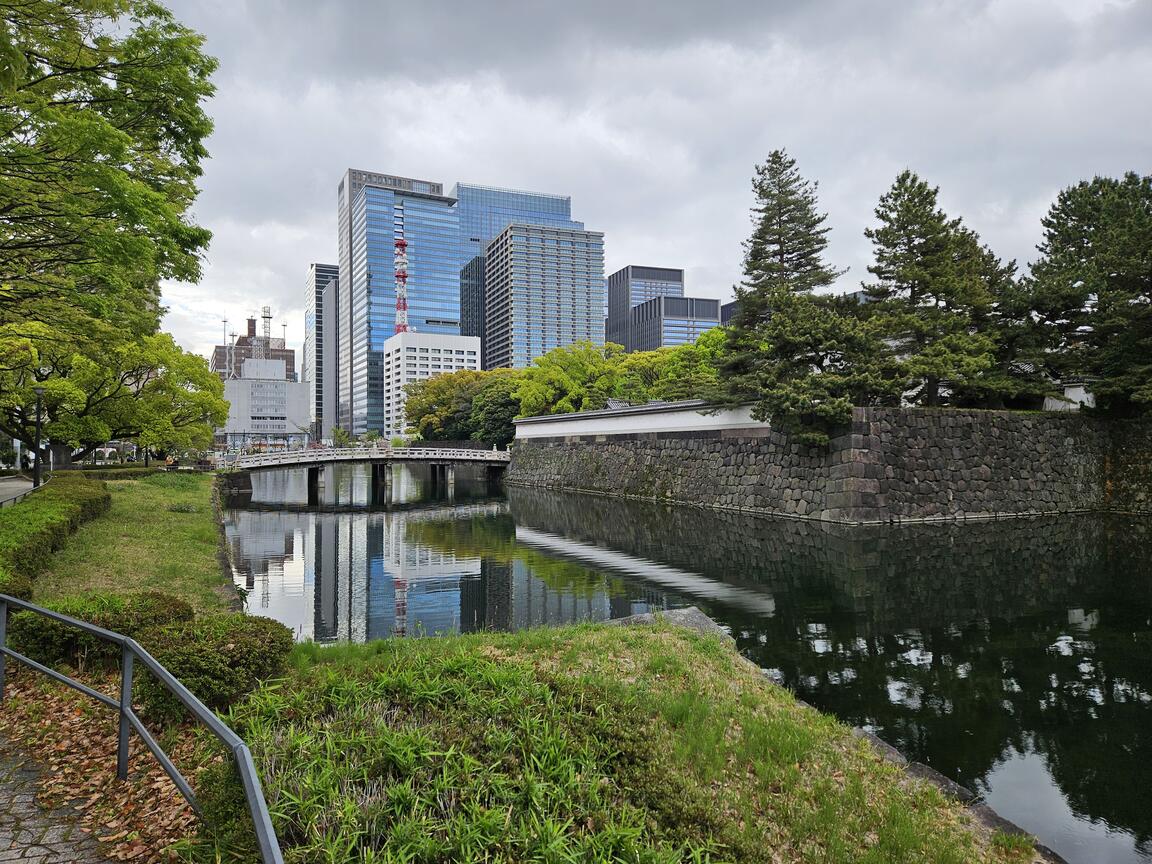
x=220, y=658
x=31, y=530
x=52, y=642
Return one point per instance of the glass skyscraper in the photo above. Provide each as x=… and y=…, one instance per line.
x=484, y=212
x=447, y=237
x=630, y=286
x=377, y=209
x=312, y=367
x=545, y=290
x=665, y=321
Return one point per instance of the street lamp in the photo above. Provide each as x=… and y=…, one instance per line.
x=39, y=391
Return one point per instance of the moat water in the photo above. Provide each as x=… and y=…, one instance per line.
x=1014, y=656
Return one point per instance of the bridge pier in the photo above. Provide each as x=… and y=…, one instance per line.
x=314, y=485
x=381, y=483
x=444, y=477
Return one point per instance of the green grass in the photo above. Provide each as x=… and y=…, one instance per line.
x=160, y=535
x=575, y=744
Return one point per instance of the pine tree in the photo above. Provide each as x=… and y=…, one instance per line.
x=802, y=359
x=931, y=291
x=784, y=254
x=1091, y=289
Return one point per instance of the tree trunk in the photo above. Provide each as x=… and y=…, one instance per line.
x=932, y=391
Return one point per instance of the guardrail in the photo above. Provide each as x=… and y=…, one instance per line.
x=20, y=496
x=354, y=454
x=131, y=653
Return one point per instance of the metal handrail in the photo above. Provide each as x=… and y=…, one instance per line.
x=132, y=652
x=20, y=496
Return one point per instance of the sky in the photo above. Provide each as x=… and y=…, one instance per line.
x=651, y=115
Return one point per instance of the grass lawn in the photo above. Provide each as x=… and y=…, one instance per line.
x=160, y=535
x=585, y=743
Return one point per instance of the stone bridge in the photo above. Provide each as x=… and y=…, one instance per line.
x=441, y=461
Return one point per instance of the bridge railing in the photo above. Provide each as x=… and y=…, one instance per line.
x=352, y=454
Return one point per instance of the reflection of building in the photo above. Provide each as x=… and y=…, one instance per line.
x=265, y=410
x=544, y=290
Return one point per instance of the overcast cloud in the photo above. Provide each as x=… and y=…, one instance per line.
x=651, y=116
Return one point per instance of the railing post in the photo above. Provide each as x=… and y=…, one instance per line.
x=127, y=657
x=3, y=644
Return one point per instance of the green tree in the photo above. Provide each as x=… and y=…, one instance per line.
x=146, y=389
x=784, y=254
x=820, y=358
x=577, y=377
x=341, y=437
x=440, y=408
x=101, y=140
x=495, y=407
x=803, y=360
x=930, y=291
x=1091, y=289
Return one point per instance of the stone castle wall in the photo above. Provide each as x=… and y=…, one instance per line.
x=891, y=465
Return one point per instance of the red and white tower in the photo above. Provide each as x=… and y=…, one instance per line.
x=401, y=283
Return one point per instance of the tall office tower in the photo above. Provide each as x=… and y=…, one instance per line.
x=374, y=210
x=630, y=286
x=544, y=290
x=671, y=321
x=316, y=359
x=484, y=212
x=472, y=299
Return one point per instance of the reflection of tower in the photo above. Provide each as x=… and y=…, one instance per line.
x=326, y=600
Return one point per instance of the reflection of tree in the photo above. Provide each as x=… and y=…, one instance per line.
x=493, y=538
x=940, y=636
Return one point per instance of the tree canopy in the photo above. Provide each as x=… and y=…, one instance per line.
x=101, y=143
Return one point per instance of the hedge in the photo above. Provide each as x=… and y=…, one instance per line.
x=33, y=529
x=220, y=658
x=52, y=642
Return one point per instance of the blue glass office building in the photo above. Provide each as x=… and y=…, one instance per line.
x=632, y=285
x=545, y=290
x=447, y=237
x=375, y=209
x=484, y=212
x=667, y=321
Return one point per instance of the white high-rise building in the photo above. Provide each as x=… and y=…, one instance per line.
x=410, y=357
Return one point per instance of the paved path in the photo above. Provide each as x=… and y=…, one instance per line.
x=10, y=486
x=28, y=832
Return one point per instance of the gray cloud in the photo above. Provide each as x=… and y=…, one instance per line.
x=651, y=115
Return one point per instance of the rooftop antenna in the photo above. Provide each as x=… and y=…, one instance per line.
x=262, y=346
x=232, y=355
x=225, y=322
x=285, y=339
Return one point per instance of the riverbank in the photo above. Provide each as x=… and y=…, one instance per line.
x=645, y=743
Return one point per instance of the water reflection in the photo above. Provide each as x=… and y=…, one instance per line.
x=1014, y=656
